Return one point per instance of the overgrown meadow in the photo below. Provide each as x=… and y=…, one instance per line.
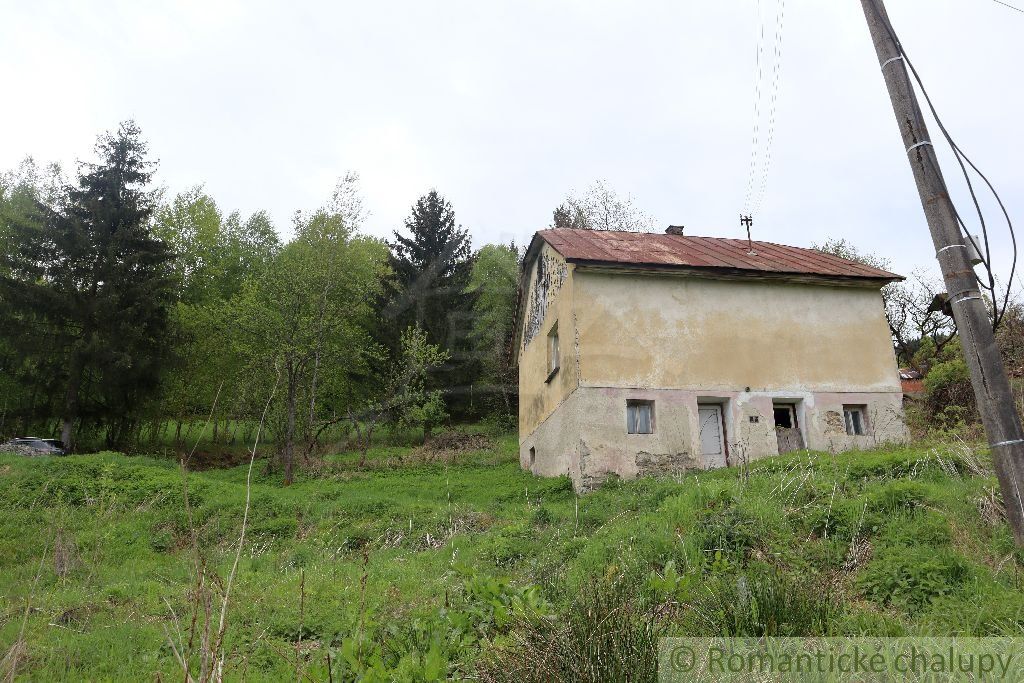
x=451, y=562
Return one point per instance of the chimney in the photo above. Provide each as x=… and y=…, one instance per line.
x=674, y=230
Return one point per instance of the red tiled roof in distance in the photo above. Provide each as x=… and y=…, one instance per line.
x=662, y=250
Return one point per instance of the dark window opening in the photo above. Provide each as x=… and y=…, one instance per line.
x=787, y=427
x=785, y=416
x=533, y=456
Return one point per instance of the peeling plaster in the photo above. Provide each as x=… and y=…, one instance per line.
x=551, y=273
x=834, y=423
x=682, y=341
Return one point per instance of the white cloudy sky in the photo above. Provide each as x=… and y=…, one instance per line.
x=506, y=106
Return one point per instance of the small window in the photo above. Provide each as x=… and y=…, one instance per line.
x=553, y=351
x=856, y=424
x=639, y=417
x=533, y=456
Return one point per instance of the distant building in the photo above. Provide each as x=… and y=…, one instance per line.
x=912, y=383
x=649, y=353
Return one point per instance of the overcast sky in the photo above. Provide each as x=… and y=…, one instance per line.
x=504, y=107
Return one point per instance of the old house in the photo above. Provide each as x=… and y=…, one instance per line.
x=649, y=353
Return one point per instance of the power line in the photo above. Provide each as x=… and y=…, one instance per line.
x=986, y=254
x=766, y=97
x=754, y=146
x=1006, y=4
x=772, y=104
x=989, y=381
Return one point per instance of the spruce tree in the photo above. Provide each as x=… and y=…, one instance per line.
x=95, y=279
x=432, y=267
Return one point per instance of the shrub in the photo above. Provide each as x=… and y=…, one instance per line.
x=912, y=577
x=161, y=539
x=553, y=488
x=841, y=518
x=885, y=464
x=948, y=393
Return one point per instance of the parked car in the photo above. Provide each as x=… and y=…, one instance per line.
x=32, y=445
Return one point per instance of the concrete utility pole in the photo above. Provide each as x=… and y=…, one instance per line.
x=988, y=375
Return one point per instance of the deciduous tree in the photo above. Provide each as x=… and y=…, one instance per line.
x=307, y=316
x=494, y=281
x=600, y=208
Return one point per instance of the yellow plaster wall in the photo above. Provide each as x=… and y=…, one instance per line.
x=669, y=331
x=539, y=398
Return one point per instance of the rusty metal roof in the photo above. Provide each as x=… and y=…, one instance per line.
x=662, y=250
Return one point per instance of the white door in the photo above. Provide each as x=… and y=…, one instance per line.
x=712, y=445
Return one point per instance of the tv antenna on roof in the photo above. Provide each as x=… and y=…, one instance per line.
x=748, y=222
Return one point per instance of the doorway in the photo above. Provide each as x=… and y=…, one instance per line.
x=787, y=428
x=712, y=434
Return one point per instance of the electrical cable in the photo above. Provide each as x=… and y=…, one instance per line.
x=772, y=105
x=766, y=97
x=754, y=146
x=1006, y=4
x=998, y=312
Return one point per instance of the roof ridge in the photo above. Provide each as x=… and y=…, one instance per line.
x=703, y=251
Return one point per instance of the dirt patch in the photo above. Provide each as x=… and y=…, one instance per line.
x=447, y=446
x=663, y=464
x=75, y=617
x=217, y=458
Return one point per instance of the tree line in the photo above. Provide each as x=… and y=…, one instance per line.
x=127, y=313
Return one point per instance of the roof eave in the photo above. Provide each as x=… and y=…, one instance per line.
x=720, y=273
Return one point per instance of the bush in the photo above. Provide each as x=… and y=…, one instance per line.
x=885, y=465
x=948, y=393
x=910, y=578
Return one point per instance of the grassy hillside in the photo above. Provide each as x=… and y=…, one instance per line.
x=426, y=565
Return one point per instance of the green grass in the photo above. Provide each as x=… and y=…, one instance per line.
x=416, y=568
